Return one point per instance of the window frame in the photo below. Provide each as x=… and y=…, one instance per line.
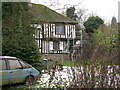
x=56, y=47
x=5, y=64
x=14, y=60
x=63, y=28
x=29, y=66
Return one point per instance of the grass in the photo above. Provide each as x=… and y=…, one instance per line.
x=69, y=63
x=15, y=87
x=87, y=62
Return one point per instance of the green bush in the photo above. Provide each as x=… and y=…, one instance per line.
x=17, y=34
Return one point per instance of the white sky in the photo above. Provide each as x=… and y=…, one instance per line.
x=106, y=9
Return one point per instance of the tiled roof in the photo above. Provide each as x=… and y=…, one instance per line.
x=42, y=13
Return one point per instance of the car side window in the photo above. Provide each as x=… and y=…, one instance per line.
x=2, y=65
x=14, y=64
x=25, y=65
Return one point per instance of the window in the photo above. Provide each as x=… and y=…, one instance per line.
x=38, y=32
x=25, y=65
x=60, y=29
x=56, y=45
x=2, y=65
x=14, y=64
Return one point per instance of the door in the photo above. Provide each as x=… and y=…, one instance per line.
x=16, y=75
x=4, y=73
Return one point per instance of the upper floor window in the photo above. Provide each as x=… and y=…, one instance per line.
x=60, y=29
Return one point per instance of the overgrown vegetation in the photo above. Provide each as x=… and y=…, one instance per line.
x=105, y=40
x=92, y=24
x=102, y=44
x=94, y=68
x=17, y=35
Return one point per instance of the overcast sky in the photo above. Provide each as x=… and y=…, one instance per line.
x=106, y=9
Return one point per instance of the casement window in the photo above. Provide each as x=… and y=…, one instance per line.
x=56, y=45
x=60, y=29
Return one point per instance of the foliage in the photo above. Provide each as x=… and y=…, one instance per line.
x=86, y=74
x=69, y=63
x=18, y=37
x=13, y=8
x=92, y=74
x=70, y=12
x=92, y=24
x=102, y=44
x=18, y=87
x=0, y=29
x=114, y=23
x=105, y=40
x=108, y=40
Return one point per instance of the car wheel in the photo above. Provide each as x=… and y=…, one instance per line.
x=29, y=80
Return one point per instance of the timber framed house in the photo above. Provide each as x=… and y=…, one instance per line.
x=53, y=31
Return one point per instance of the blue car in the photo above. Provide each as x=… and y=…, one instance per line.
x=14, y=70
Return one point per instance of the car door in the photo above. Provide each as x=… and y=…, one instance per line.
x=4, y=73
x=27, y=69
x=16, y=75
